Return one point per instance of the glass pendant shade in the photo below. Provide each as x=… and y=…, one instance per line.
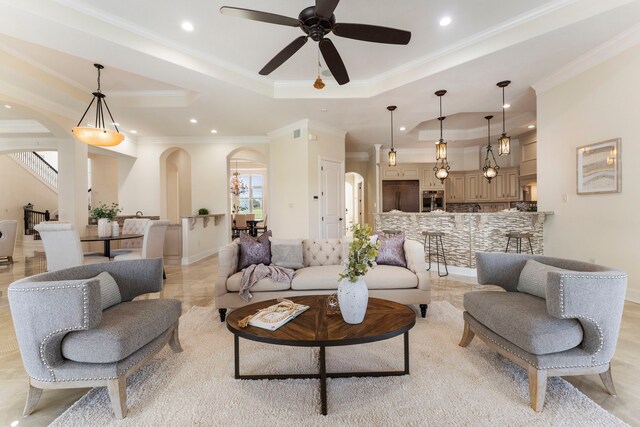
x=392, y=157
x=392, y=152
x=441, y=150
x=98, y=134
x=442, y=170
x=489, y=170
x=504, y=145
x=490, y=173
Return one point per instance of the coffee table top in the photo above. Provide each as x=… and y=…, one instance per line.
x=384, y=319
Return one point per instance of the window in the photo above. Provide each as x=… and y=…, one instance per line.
x=251, y=201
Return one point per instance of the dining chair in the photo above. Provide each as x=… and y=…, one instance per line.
x=262, y=228
x=240, y=223
x=62, y=246
x=131, y=226
x=152, y=243
x=8, y=238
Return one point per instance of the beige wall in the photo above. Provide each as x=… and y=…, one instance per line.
x=599, y=104
x=361, y=167
x=104, y=179
x=20, y=187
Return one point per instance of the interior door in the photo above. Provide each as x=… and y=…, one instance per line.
x=332, y=197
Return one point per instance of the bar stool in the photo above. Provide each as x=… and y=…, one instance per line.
x=518, y=236
x=437, y=236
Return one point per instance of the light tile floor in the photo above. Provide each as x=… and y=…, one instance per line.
x=194, y=285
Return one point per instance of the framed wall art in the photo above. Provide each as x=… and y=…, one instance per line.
x=598, y=167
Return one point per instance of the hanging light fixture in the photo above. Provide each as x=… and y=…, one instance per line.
x=237, y=186
x=488, y=170
x=318, y=84
x=504, y=141
x=98, y=134
x=392, y=152
x=442, y=169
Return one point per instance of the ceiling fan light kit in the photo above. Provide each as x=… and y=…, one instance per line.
x=98, y=134
x=317, y=22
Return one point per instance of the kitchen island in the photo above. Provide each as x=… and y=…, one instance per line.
x=468, y=233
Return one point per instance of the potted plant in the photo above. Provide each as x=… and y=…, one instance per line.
x=353, y=295
x=105, y=214
x=203, y=211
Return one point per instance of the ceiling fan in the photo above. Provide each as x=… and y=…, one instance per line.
x=316, y=22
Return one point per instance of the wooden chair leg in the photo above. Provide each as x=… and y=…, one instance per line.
x=467, y=335
x=607, y=380
x=33, y=397
x=537, y=387
x=118, y=395
x=10, y=258
x=174, y=342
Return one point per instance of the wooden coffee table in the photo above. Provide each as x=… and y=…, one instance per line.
x=315, y=328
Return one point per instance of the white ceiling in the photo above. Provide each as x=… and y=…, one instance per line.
x=157, y=76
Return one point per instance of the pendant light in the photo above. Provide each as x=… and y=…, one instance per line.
x=488, y=170
x=442, y=169
x=237, y=186
x=98, y=134
x=392, y=152
x=504, y=141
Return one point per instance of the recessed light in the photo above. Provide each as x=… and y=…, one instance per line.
x=531, y=126
x=90, y=125
x=15, y=423
x=324, y=110
x=506, y=106
x=402, y=129
x=214, y=131
x=193, y=120
x=187, y=26
x=133, y=131
x=7, y=106
x=115, y=124
x=445, y=20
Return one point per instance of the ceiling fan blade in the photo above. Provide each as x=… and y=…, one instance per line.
x=325, y=8
x=372, y=33
x=256, y=15
x=283, y=55
x=334, y=62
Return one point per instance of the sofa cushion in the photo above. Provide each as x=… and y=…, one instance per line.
x=317, y=277
x=286, y=252
x=234, y=283
x=254, y=251
x=109, y=290
x=533, y=278
x=523, y=320
x=124, y=329
x=391, y=251
x=321, y=252
x=390, y=277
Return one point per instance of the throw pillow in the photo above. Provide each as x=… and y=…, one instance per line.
x=391, y=251
x=286, y=252
x=109, y=290
x=254, y=251
x=533, y=278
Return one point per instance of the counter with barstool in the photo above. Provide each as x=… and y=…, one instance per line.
x=439, y=251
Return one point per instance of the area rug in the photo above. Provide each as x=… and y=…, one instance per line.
x=448, y=385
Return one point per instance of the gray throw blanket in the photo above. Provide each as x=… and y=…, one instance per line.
x=256, y=272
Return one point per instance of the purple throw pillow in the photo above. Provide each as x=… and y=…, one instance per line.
x=254, y=251
x=391, y=251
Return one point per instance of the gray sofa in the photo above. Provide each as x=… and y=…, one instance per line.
x=572, y=332
x=322, y=263
x=67, y=341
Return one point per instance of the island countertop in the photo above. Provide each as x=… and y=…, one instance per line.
x=467, y=233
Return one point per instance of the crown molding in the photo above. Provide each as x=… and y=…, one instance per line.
x=178, y=140
x=361, y=156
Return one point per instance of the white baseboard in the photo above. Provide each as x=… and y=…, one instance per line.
x=633, y=295
x=461, y=271
x=197, y=257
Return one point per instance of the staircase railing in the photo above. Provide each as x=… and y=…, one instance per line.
x=39, y=166
x=33, y=218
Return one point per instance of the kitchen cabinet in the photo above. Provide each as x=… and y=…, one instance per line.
x=428, y=180
x=455, y=187
x=493, y=207
x=477, y=188
x=401, y=171
x=507, y=186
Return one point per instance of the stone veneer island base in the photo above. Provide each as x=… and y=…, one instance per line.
x=468, y=233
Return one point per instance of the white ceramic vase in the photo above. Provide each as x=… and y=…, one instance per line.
x=115, y=228
x=353, y=299
x=104, y=227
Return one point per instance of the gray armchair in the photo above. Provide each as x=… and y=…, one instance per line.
x=67, y=341
x=573, y=332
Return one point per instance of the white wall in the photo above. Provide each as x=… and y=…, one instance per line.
x=599, y=104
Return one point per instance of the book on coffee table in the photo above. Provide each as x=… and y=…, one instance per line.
x=270, y=321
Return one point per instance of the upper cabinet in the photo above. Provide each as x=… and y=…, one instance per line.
x=455, y=187
x=428, y=180
x=507, y=186
x=401, y=171
x=477, y=188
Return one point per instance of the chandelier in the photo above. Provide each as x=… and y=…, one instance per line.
x=237, y=186
x=504, y=141
x=488, y=170
x=392, y=152
x=98, y=134
x=442, y=169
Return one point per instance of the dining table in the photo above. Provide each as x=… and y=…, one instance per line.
x=107, y=240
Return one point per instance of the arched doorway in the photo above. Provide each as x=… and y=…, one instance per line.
x=354, y=199
x=250, y=168
x=175, y=184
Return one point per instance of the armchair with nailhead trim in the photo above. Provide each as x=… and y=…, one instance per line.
x=558, y=317
x=66, y=340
